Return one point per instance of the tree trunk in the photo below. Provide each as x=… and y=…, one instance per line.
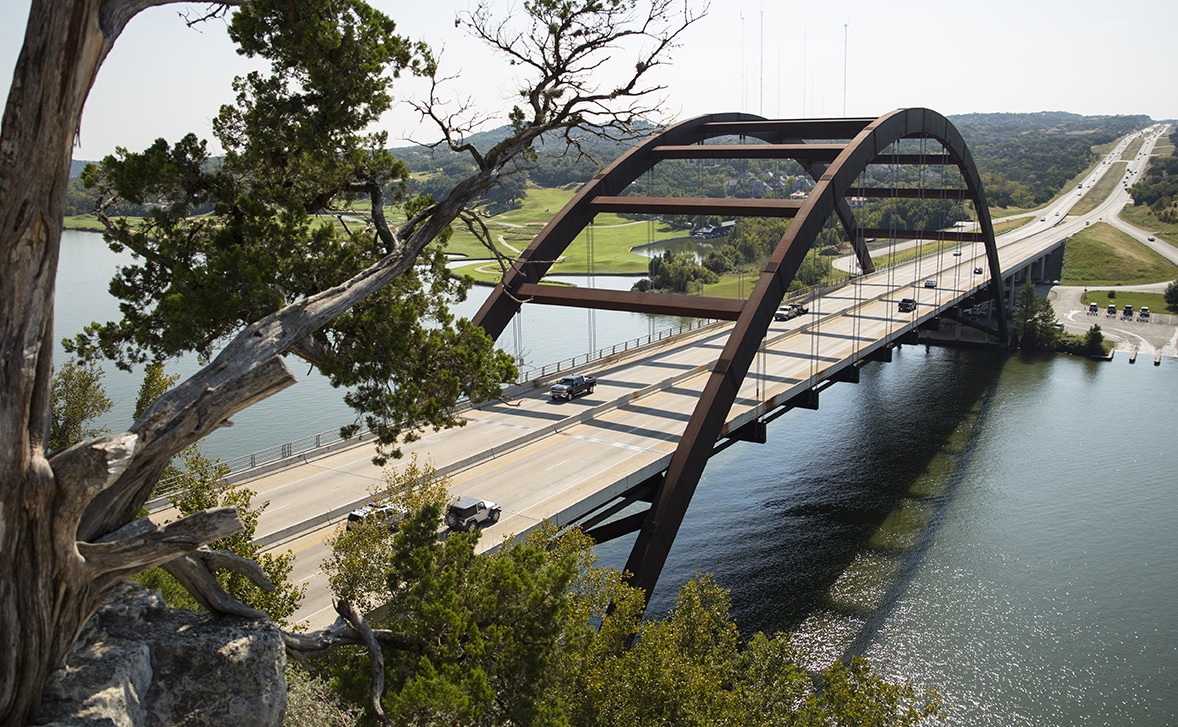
x=67, y=525
x=47, y=588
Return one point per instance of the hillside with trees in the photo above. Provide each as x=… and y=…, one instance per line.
x=1158, y=186
x=1025, y=159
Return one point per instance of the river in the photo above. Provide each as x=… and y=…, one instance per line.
x=994, y=527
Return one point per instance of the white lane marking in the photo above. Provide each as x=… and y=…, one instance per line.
x=619, y=445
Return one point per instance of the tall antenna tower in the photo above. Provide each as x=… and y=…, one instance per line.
x=845, y=69
x=743, y=89
x=761, y=71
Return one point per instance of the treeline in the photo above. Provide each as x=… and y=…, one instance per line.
x=1025, y=159
x=1158, y=186
x=745, y=249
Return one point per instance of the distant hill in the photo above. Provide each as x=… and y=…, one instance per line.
x=1025, y=160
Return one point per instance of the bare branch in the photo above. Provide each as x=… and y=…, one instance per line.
x=86, y=469
x=342, y=633
x=216, y=560
x=375, y=657
x=452, y=125
x=141, y=544
x=214, y=11
x=194, y=573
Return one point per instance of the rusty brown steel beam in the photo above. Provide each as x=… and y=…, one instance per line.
x=912, y=159
x=946, y=235
x=617, y=528
x=802, y=152
x=503, y=303
x=834, y=183
x=790, y=128
x=691, y=306
x=910, y=193
x=825, y=153
x=707, y=421
x=698, y=206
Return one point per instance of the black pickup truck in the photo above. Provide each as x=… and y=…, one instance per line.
x=571, y=386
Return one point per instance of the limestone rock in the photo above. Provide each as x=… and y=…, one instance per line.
x=139, y=663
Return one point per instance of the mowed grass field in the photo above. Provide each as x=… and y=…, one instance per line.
x=1012, y=224
x=612, y=238
x=1155, y=301
x=1103, y=255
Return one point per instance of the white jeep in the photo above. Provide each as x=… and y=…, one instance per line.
x=467, y=513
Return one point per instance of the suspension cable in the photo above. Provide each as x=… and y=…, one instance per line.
x=589, y=265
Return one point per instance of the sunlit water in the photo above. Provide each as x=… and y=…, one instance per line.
x=1041, y=589
x=996, y=528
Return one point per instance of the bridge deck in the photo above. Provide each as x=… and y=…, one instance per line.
x=540, y=459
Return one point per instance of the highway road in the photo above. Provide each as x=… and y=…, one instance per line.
x=544, y=460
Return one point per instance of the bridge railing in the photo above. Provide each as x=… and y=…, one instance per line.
x=257, y=462
x=539, y=372
x=322, y=442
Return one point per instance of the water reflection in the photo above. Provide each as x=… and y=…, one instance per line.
x=676, y=246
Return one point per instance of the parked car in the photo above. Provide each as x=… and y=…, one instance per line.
x=1144, y=314
x=385, y=516
x=1112, y=309
x=467, y=513
x=907, y=305
x=1093, y=309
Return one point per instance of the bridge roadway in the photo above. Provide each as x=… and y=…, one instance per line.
x=559, y=461
x=540, y=459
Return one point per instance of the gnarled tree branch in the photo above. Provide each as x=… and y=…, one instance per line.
x=141, y=544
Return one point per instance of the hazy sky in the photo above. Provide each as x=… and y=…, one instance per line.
x=783, y=59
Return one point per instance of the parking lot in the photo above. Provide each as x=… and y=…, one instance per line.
x=1157, y=335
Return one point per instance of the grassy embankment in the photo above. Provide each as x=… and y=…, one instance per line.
x=1141, y=215
x=1132, y=149
x=1011, y=224
x=1099, y=193
x=613, y=237
x=85, y=223
x=1101, y=255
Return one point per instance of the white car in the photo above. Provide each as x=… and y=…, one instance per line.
x=385, y=516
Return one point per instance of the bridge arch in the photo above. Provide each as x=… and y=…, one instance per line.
x=834, y=152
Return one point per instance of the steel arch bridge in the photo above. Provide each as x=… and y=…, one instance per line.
x=835, y=153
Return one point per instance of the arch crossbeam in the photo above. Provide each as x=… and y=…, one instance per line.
x=836, y=167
